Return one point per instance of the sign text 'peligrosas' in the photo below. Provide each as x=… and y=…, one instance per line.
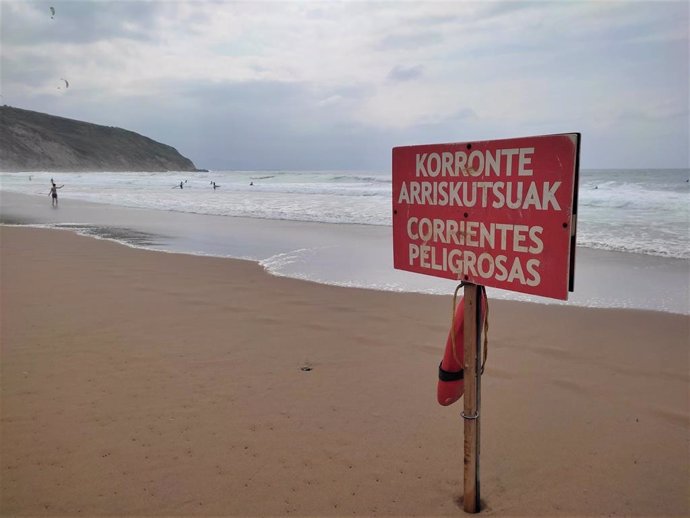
x=497, y=213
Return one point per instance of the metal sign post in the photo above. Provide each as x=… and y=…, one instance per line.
x=472, y=402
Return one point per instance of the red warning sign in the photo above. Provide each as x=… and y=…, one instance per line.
x=499, y=213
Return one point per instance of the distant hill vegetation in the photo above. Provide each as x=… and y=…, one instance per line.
x=33, y=141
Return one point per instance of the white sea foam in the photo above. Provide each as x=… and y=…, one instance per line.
x=637, y=211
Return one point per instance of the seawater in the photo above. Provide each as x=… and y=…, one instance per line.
x=333, y=227
x=636, y=211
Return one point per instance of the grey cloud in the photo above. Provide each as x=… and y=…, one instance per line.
x=409, y=40
x=79, y=21
x=462, y=114
x=352, y=91
x=282, y=125
x=261, y=125
x=35, y=71
x=269, y=98
x=427, y=21
x=253, y=125
x=404, y=73
x=282, y=130
x=248, y=125
x=271, y=125
x=490, y=10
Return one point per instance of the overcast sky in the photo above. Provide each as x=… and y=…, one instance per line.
x=335, y=85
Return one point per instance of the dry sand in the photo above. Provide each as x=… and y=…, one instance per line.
x=143, y=383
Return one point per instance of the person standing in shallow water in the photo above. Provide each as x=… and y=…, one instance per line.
x=53, y=193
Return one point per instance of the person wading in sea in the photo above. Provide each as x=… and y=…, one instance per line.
x=53, y=193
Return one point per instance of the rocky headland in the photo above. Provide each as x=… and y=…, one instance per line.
x=34, y=141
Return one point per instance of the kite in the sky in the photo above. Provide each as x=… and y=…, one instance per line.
x=66, y=84
x=52, y=12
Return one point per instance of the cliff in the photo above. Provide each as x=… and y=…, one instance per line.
x=33, y=141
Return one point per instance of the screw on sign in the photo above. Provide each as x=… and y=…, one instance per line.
x=499, y=213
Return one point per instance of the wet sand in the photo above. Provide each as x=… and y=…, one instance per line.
x=349, y=255
x=140, y=383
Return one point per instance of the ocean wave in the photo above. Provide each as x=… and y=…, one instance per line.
x=660, y=249
x=368, y=179
x=635, y=212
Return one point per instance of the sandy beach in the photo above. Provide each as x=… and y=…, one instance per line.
x=146, y=383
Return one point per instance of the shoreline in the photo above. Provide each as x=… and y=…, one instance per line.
x=136, y=383
x=352, y=255
x=135, y=240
